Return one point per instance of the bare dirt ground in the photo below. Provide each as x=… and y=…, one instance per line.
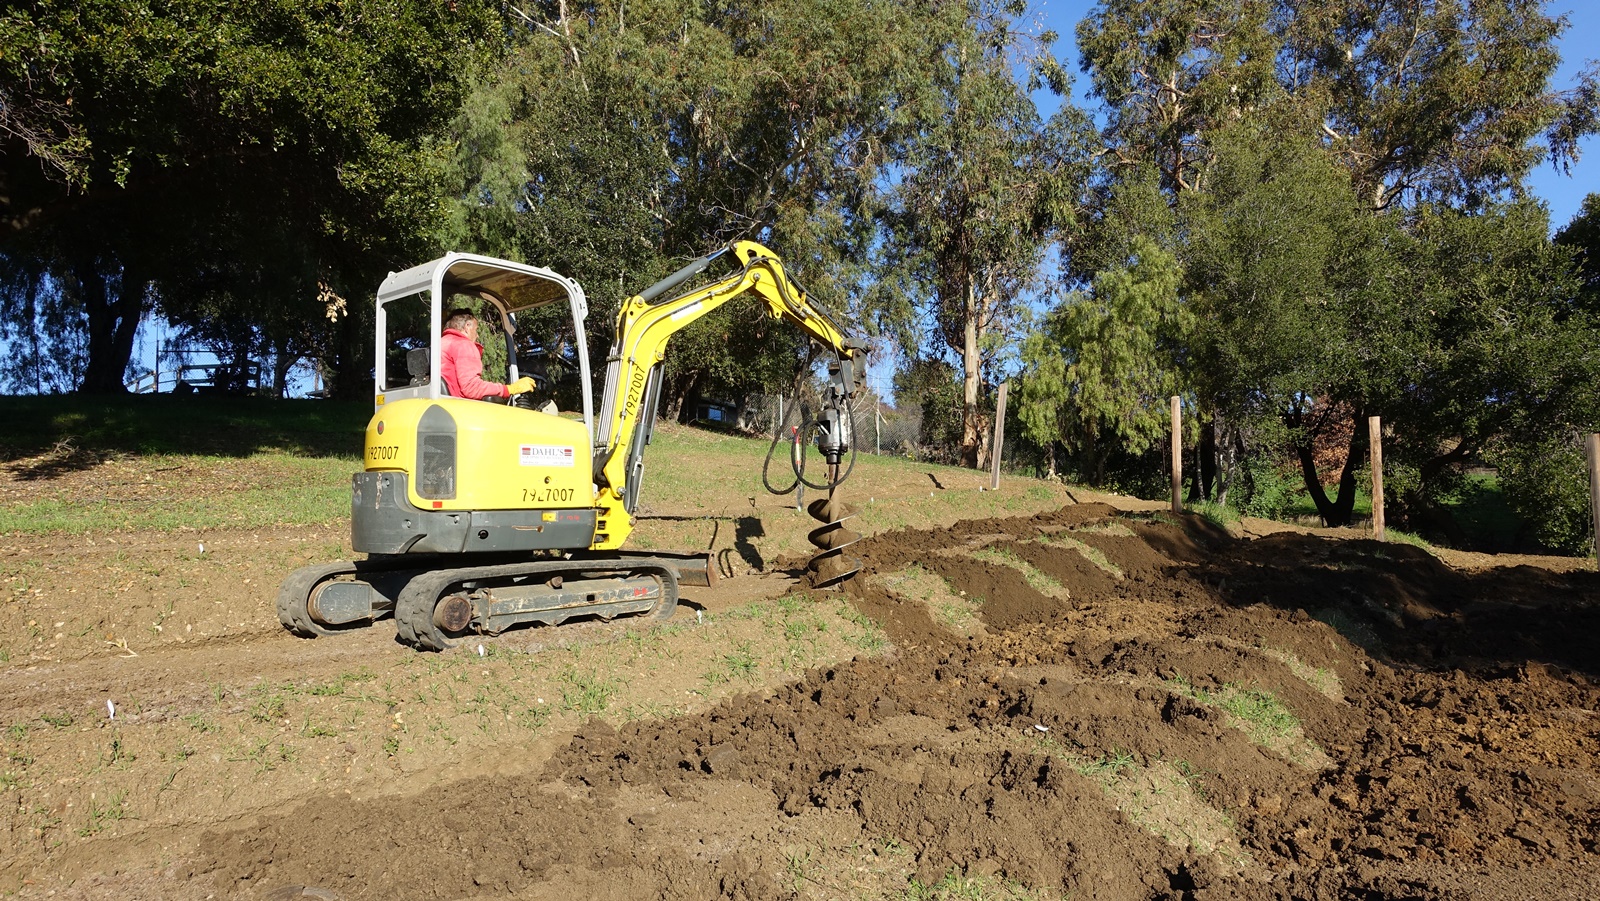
x=1067, y=700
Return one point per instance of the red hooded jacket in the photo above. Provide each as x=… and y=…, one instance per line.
x=461, y=367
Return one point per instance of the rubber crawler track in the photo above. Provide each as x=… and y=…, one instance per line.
x=296, y=590
x=414, y=608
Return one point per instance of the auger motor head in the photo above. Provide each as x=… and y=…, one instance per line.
x=833, y=425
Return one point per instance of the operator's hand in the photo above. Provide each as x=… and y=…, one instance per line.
x=520, y=386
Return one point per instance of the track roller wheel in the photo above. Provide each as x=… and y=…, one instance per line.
x=668, y=605
x=295, y=593
x=418, y=613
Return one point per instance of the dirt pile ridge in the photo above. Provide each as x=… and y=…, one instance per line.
x=1192, y=717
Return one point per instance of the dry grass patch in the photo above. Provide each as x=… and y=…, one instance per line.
x=1166, y=799
x=1322, y=680
x=1092, y=554
x=948, y=607
x=1037, y=579
x=1108, y=527
x=1325, y=681
x=1260, y=715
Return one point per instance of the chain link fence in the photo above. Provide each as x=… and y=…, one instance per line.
x=875, y=428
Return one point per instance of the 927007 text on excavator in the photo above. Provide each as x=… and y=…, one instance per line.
x=477, y=516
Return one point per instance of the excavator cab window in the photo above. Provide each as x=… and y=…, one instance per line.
x=547, y=351
x=406, y=325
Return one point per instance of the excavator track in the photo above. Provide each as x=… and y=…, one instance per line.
x=297, y=596
x=295, y=592
x=489, y=599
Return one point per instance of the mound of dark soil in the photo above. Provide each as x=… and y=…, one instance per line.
x=1436, y=737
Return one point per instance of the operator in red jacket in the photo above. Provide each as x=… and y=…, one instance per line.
x=461, y=361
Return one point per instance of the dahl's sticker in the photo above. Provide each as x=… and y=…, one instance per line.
x=545, y=455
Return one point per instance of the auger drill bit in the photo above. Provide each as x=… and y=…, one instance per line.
x=832, y=567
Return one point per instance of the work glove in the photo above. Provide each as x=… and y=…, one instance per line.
x=520, y=386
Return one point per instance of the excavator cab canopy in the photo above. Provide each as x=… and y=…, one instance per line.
x=412, y=308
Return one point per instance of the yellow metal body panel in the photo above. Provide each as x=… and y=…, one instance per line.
x=506, y=458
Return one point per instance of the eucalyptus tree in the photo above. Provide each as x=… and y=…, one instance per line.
x=624, y=138
x=1437, y=100
x=1169, y=71
x=985, y=188
x=1434, y=99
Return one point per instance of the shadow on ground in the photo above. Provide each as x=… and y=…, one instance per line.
x=1400, y=603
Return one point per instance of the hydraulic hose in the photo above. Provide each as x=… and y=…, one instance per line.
x=797, y=463
x=767, y=463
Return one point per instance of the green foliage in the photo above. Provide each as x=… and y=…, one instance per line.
x=1457, y=327
x=1509, y=358
x=587, y=693
x=1104, y=363
x=931, y=388
x=1547, y=484
x=1344, y=180
x=225, y=160
x=618, y=142
x=1220, y=515
x=1267, y=490
x=1582, y=237
x=1299, y=288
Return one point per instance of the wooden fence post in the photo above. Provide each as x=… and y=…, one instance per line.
x=1594, y=491
x=999, y=436
x=1177, y=456
x=1375, y=444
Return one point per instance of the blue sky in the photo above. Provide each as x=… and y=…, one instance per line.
x=1581, y=41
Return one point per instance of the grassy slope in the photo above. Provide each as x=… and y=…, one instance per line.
x=162, y=463
x=158, y=463
x=149, y=424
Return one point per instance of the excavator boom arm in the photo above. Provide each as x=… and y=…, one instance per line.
x=643, y=328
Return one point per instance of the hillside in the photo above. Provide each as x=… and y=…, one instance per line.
x=1033, y=693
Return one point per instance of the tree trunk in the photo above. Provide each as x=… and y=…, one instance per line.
x=113, y=315
x=1417, y=511
x=1337, y=511
x=349, y=379
x=1207, y=470
x=1230, y=450
x=971, y=431
x=674, y=402
x=1094, y=461
x=282, y=362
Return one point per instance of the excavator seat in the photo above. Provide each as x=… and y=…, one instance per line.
x=417, y=368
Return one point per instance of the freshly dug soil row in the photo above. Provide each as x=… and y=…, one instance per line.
x=1451, y=753
x=1085, y=580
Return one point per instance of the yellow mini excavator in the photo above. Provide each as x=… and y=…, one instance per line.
x=478, y=516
